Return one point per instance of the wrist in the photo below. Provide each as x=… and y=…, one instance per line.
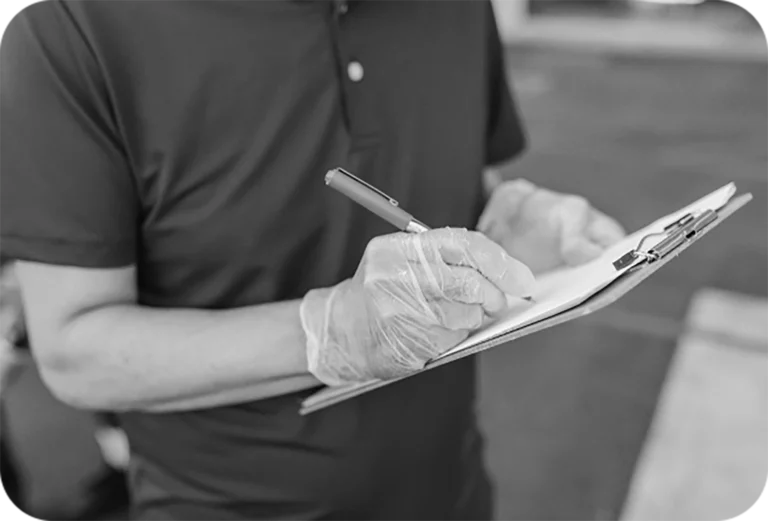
x=313, y=317
x=505, y=205
x=333, y=328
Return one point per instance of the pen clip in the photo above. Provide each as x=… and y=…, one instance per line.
x=369, y=186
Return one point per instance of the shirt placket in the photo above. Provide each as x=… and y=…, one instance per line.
x=351, y=70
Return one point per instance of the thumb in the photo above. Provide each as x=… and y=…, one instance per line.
x=507, y=273
x=475, y=250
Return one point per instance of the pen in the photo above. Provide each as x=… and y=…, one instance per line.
x=376, y=201
x=373, y=200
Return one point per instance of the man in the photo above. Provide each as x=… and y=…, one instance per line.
x=181, y=263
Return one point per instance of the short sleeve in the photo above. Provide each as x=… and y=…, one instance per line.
x=67, y=195
x=506, y=136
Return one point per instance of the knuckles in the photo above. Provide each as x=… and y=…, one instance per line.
x=576, y=203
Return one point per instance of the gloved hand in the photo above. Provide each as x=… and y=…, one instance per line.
x=413, y=297
x=545, y=229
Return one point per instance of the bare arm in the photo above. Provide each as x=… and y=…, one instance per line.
x=97, y=348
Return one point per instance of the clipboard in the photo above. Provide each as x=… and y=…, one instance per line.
x=637, y=264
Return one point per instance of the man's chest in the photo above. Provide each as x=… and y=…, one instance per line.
x=231, y=112
x=213, y=82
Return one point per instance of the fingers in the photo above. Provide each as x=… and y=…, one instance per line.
x=604, y=230
x=572, y=214
x=584, y=232
x=476, y=251
x=458, y=316
x=424, y=284
x=466, y=286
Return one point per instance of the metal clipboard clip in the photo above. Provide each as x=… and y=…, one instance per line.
x=675, y=234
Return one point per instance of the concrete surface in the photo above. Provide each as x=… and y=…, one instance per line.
x=706, y=458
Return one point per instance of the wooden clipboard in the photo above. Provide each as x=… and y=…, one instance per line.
x=606, y=296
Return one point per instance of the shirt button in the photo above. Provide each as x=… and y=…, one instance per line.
x=355, y=71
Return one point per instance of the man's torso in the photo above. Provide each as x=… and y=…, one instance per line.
x=229, y=114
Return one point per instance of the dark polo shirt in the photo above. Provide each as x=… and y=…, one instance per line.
x=191, y=139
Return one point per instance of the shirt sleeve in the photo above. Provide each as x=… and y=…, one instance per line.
x=505, y=137
x=67, y=195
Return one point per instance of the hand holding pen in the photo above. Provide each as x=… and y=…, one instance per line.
x=413, y=297
x=378, y=203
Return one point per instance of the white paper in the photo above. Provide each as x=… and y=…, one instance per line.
x=563, y=289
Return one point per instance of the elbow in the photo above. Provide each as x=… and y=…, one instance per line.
x=78, y=367
x=62, y=388
x=74, y=379
x=71, y=387
x=71, y=317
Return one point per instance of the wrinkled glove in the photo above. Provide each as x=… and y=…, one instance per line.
x=413, y=297
x=545, y=229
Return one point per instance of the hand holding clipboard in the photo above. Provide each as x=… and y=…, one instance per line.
x=572, y=293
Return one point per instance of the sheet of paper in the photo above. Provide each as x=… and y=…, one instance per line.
x=563, y=289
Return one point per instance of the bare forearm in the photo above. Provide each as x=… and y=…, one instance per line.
x=133, y=357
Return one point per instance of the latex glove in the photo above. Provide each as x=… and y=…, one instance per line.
x=545, y=229
x=413, y=297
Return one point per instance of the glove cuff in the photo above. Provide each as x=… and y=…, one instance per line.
x=328, y=342
x=314, y=313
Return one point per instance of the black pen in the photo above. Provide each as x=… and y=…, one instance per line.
x=377, y=202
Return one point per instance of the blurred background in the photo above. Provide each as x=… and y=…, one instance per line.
x=655, y=408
